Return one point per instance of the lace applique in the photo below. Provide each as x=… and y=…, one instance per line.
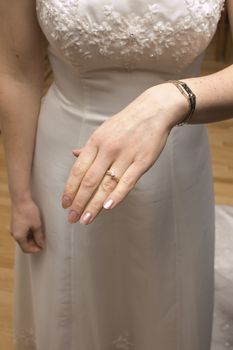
x=123, y=342
x=126, y=39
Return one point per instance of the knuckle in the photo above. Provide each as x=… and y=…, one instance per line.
x=95, y=206
x=94, y=139
x=109, y=145
x=128, y=181
x=77, y=171
x=107, y=186
x=143, y=164
x=89, y=181
x=112, y=147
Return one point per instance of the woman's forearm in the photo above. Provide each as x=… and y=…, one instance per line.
x=214, y=98
x=21, y=71
x=19, y=108
x=214, y=94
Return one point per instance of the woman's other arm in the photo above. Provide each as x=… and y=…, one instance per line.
x=21, y=80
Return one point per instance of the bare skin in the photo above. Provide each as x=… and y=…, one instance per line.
x=148, y=119
x=21, y=69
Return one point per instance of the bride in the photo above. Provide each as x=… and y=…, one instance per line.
x=109, y=173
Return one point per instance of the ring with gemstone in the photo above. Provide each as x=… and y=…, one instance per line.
x=112, y=173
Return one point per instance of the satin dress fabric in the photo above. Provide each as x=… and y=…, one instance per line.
x=141, y=276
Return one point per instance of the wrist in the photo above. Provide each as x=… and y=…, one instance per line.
x=185, y=90
x=21, y=198
x=175, y=107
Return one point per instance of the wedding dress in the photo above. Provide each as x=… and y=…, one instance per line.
x=140, y=277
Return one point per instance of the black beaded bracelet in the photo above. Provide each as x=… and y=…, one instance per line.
x=187, y=92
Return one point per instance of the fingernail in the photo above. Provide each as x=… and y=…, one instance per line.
x=73, y=216
x=66, y=201
x=86, y=218
x=108, y=204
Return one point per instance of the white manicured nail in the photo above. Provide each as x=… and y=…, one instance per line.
x=108, y=204
x=86, y=218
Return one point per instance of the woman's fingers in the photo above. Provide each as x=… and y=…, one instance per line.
x=89, y=184
x=26, y=226
x=79, y=169
x=107, y=186
x=28, y=247
x=27, y=242
x=125, y=185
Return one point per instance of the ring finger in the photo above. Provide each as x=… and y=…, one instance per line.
x=106, y=186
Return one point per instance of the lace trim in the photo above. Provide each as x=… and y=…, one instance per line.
x=125, y=39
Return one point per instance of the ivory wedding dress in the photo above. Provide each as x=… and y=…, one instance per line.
x=141, y=276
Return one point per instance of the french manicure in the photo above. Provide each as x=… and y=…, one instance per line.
x=73, y=216
x=108, y=204
x=86, y=218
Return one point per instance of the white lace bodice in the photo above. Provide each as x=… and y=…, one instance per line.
x=163, y=35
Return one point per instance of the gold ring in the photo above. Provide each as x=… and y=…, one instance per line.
x=112, y=173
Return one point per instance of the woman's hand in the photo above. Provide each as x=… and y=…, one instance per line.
x=128, y=144
x=26, y=226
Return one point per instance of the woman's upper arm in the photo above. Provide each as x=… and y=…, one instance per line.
x=21, y=41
